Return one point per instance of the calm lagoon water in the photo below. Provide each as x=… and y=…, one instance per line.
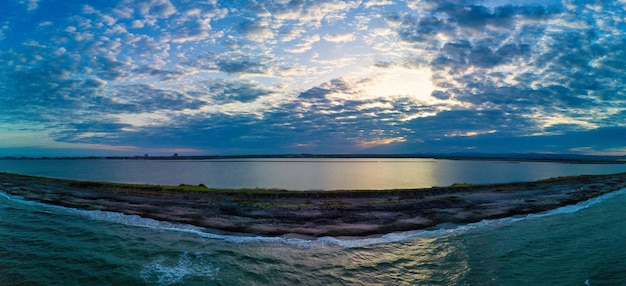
x=41, y=244
x=305, y=174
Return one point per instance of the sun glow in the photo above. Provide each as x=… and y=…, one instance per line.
x=385, y=141
x=401, y=82
x=389, y=82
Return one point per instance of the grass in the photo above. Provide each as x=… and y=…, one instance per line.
x=462, y=185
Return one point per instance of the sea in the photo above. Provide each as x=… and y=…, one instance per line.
x=41, y=244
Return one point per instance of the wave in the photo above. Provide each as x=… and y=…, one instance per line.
x=442, y=230
x=164, y=271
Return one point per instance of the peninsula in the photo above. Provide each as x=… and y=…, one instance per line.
x=314, y=213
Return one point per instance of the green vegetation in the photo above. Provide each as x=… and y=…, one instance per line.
x=462, y=185
x=336, y=213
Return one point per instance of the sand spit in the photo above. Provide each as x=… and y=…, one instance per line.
x=315, y=213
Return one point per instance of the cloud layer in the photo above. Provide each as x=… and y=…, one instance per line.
x=248, y=77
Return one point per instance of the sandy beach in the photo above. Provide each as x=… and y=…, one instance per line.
x=315, y=213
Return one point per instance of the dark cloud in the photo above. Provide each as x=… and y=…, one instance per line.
x=477, y=17
x=158, y=73
x=99, y=132
x=191, y=30
x=315, y=92
x=451, y=19
x=463, y=54
x=568, y=142
x=440, y=94
x=109, y=69
x=460, y=123
x=244, y=66
x=253, y=29
x=421, y=30
x=146, y=98
x=229, y=91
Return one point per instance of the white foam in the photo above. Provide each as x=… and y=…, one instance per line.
x=17, y=199
x=135, y=220
x=406, y=235
x=165, y=272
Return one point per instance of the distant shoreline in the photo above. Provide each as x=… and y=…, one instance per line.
x=315, y=213
x=513, y=157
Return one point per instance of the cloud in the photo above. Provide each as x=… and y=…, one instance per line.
x=290, y=33
x=137, y=24
x=312, y=13
x=125, y=12
x=386, y=141
x=158, y=73
x=241, y=66
x=306, y=44
x=477, y=16
x=385, y=82
x=31, y=5
x=109, y=69
x=256, y=30
x=372, y=3
x=154, y=8
x=194, y=30
x=340, y=38
x=316, y=76
x=223, y=92
x=464, y=53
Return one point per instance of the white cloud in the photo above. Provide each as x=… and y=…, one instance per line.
x=291, y=33
x=137, y=24
x=305, y=45
x=31, y=5
x=382, y=141
x=60, y=51
x=195, y=12
x=370, y=3
x=215, y=14
x=155, y=8
x=340, y=38
x=116, y=29
x=374, y=105
x=45, y=24
x=110, y=21
x=314, y=12
x=87, y=9
x=469, y=133
x=125, y=12
x=196, y=30
x=546, y=119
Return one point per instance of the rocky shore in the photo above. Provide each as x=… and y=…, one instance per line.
x=315, y=213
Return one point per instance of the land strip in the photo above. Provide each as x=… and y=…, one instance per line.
x=315, y=213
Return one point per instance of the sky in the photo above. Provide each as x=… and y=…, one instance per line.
x=130, y=77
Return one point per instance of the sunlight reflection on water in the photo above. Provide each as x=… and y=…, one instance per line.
x=305, y=174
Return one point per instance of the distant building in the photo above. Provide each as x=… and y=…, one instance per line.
x=175, y=154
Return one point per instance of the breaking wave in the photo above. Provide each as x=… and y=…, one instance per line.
x=137, y=221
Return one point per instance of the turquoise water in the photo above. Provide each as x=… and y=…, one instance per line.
x=50, y=245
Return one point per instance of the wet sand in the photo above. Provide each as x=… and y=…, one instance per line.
x=315, y=213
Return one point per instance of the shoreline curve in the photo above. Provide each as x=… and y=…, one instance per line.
x=355, y=213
